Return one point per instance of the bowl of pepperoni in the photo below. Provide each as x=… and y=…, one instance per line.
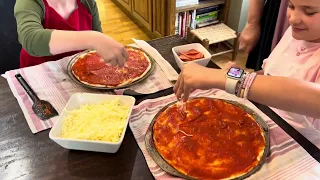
x=193, y=52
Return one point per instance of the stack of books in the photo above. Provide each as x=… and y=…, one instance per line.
x=180, y=3
x=196, y=19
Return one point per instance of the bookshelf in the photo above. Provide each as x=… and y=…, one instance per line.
x=157, y=18
x=205, y=13
x=172, y=10
x=202, y=4
x=205, y=22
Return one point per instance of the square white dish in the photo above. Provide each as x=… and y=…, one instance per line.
x=184, y=48
x=75, y=102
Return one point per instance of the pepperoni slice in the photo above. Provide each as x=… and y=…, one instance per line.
x=199, y=55
x=183, y=57
x=191, y=55
x=192, y=52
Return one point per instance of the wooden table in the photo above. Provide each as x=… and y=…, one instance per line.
x=24, y=155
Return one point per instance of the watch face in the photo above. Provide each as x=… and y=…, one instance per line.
x=235, y=72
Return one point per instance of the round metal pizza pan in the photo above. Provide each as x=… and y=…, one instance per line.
x=74, y=79
x=171, y=170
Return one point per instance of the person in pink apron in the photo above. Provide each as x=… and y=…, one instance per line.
x=53, y=29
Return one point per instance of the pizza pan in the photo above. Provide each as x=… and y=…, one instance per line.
x=74, y=79
x=171, y=170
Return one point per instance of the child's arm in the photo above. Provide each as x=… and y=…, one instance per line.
x=31, y=34
x=38, y=41
x=280, y=92
x=287, y=94
x=260, y=72
x=110, y=50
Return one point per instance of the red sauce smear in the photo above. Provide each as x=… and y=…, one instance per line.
x=215, y=140
x=93, y=70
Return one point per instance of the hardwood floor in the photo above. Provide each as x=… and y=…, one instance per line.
x=117, y=25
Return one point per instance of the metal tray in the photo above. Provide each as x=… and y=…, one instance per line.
x=171, y=170
x=74, y=79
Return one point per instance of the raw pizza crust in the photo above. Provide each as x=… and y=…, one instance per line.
x=123, y=83
x=258, y=158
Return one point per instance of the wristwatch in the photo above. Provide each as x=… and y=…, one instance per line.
x=233, y=76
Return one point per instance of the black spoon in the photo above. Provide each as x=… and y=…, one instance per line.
x=43, y=109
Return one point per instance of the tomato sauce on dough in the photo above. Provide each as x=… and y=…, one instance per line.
x=93, y=70
x=213, y=140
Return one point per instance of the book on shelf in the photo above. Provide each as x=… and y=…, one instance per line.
x=181, y=3
x=180, y=23
x=177, y=24
x=208, y=23
x=208, y=14
x=208, y=9
x=183, y=25
x=196, y=19
x=193, y=19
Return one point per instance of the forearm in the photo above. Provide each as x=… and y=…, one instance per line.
x=67, y=41
x=255, y=11
x=287, y=94
x=38, y=41
x=279, y=92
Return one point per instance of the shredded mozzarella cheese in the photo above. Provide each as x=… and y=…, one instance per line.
x=103, y=121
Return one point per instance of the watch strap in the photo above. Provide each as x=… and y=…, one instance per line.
x=231, y=85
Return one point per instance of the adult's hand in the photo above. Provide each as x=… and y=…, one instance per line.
x=249, y=37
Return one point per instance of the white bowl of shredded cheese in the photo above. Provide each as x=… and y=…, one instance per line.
x=93, y=122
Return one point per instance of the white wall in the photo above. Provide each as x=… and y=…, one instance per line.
x=243, y=15
x=238, y=13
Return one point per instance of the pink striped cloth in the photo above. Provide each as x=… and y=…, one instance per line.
x=162, y=76
x=155, y=82
x=288, y=160
x=51, y=83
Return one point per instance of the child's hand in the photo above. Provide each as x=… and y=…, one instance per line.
x=229, y=65
x=111, y=51
x=192, y=77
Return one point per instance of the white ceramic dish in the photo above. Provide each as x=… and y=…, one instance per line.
x=74, y=102
x=184, y=48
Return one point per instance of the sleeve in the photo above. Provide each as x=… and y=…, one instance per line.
x=91, y=5
x=264, y=64
x=31, y=34
x=280, y=48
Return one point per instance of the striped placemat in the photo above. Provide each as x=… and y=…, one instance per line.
x=288, y=160
x=155, y=82
x=162, y=76
x=51, y=83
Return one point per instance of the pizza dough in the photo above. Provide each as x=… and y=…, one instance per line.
x=90, y=69
x=212, y=140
